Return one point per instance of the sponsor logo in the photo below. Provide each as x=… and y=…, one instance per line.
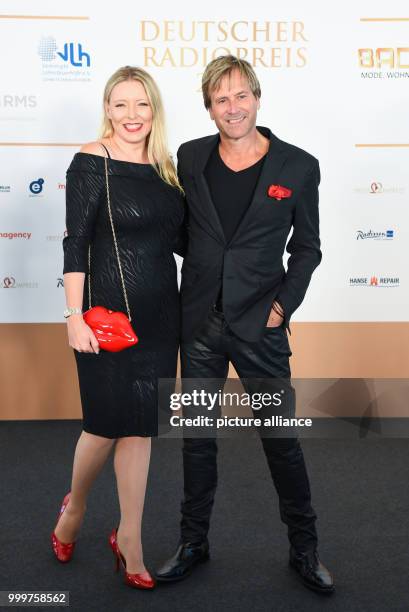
x=17, y=107
x=384, y=57
x=5, y=188
x=377, y=188
x=9, y=282
x=384, y=62
x=18, y=101
x=36, y=186
x=72, y=52
x=12, y=235
x=386, y=235
x=384, y=282
x=67, y=62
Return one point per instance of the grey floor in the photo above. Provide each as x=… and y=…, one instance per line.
x=360, y=493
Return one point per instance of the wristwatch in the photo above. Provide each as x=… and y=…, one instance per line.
x=70, y=311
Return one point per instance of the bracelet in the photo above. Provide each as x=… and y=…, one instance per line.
x=70, y=311
x=280, y=310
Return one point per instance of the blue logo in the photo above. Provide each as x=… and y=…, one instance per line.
x=36, y=187
x=389, y=233
x=69, y=54
x=73, y=53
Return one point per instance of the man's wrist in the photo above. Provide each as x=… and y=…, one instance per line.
x=277, y=307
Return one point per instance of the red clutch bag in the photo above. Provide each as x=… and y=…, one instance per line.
x=113, y=330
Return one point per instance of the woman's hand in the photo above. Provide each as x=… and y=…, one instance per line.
x=80, y=335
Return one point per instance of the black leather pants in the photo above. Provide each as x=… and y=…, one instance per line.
x=208, y=356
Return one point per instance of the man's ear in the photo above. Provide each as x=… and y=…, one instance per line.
x=258, y=103
x=211, y=114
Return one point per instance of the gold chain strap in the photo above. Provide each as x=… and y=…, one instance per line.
x=116, y=250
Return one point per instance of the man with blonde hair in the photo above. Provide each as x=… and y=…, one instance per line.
x=245, y=191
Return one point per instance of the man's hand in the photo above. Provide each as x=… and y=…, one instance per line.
x=276, y=316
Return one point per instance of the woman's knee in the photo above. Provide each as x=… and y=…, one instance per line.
x=99, y=441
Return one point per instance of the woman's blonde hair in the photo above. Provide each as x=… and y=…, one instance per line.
x=158, y=153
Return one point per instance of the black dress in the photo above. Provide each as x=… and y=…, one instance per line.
x=119, y=390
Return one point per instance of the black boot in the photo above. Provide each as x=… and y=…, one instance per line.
x=311, y=571
x=183, y=561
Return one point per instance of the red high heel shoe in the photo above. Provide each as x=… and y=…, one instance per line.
x=62, y=551
x=133, y=580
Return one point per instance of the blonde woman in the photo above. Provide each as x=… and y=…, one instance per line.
x=119, y=390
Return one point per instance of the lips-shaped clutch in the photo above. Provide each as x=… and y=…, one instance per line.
x=113, y=330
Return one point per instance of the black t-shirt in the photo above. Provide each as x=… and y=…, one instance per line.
x=231, y=193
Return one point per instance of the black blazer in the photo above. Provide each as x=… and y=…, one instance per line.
x=250, y=264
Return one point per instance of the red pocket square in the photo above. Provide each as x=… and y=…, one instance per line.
x=279, y=192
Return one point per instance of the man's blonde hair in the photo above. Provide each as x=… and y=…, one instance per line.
x=221, y=66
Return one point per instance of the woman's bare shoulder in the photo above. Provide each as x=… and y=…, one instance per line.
x=94, y=148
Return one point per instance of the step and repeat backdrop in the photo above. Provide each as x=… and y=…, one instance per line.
x=334, y=82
